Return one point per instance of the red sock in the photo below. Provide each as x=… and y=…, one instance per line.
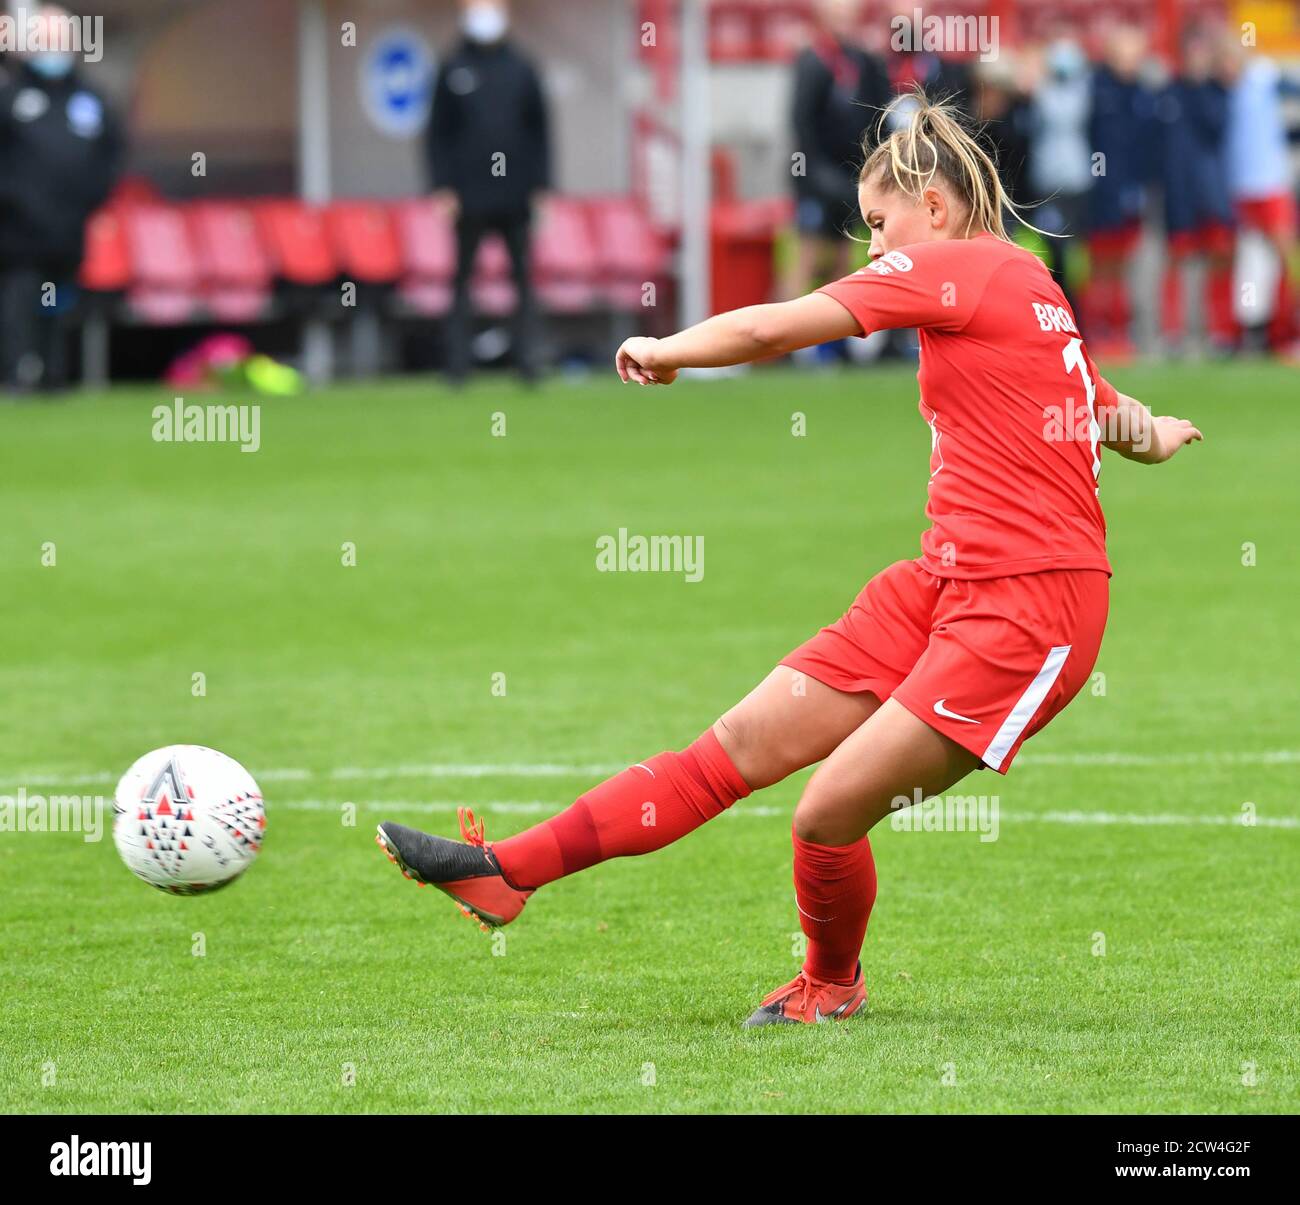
x=834, y=888
x=1172, y=300
x=1222, y=321
x=1122, y=311
x=1107, y=300
x=1281, y=330
x=641, y=809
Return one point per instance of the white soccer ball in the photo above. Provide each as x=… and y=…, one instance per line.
x=188, y=819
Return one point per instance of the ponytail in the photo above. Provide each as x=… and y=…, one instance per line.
x=935, y=143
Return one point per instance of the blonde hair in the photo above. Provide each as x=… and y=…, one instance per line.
x=936, y=144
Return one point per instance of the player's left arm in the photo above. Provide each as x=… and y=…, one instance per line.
x=1136, y=434
x=756, y=332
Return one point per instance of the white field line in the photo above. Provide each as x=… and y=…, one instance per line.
x=597, y=770
x=480, y=770
x=541, y=807
x=1267, y=757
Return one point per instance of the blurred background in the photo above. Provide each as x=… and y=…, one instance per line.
x=291, y=191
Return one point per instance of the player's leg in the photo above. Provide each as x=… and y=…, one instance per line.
x=517, y=233
x=786, y=723
x=1282, y=326
x=1221, y=243
x=821, y=692
x=469, y=233
x=1108, y=310
x=783, y=725
x=842, y=261
x=1005, y=656
x=1171, y=289
x=20, y=317
x=802, y=266
x=1101, y=302
x=889, y=758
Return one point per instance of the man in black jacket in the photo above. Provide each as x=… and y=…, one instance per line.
x=489, y=160
x=59, y=155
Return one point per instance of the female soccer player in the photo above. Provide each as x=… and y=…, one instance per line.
x=943, y=664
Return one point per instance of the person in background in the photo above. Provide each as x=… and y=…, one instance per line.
x=1002, y=111
x=839, y=87
x=489, y=156
x=939, y=79
x=1060, y=165
x=1192, y=112
x=1120, y=131
x=60, y=153
x=1259, y=170
x=917, y=77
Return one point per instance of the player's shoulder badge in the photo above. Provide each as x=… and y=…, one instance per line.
x=892, y=261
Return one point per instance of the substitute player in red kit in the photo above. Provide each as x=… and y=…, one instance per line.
x=943, y=664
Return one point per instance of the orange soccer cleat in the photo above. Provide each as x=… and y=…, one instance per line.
x=467, y=871
x=805, y=1001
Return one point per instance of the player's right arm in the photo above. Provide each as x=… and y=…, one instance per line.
x=756, y=332
x=1136, y=434
x=913, y=286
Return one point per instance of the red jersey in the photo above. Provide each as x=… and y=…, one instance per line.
x=1012, y=400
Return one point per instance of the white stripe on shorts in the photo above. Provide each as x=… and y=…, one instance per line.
x=1026, y=705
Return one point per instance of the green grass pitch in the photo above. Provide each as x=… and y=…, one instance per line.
x=1126, y=944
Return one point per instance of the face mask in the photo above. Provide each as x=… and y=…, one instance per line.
x=484, y=23
x=1065, y=59
x=52, y=64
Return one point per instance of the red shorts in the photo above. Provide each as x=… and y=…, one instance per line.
x=1116, y=241
x=1212, y=238
x=986, y=663
x=1275, y=216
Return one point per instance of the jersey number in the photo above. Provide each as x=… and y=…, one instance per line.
x=1074, y=358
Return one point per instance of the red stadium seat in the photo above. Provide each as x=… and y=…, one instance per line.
x=564, y=257
x=493, y=290
x=365, y=242
x=629, y=252
x=164, y=272
x=297, y=241
x=428, y=245
x=733, y=31
x=427, y=239
x=234, y=268
x=136, y=190
x=106, y=267
x=564, y=261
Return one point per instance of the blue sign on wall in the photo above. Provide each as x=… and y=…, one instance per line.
x=397, y=82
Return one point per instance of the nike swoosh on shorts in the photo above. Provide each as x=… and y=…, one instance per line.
x=940, y=709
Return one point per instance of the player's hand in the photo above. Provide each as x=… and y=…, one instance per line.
x=638, y=360
x=1170, y=435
